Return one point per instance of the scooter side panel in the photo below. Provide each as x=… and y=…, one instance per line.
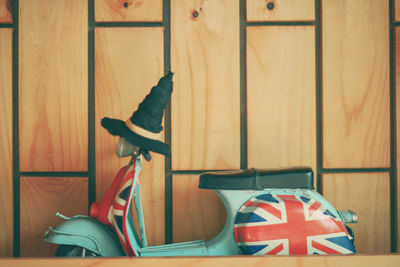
x=88, y=233
x=224, y=243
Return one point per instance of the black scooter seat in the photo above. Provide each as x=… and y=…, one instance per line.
x=258, y=179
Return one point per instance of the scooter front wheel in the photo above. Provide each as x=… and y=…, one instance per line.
x=74, y=251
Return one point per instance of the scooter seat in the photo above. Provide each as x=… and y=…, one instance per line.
x=258, y=179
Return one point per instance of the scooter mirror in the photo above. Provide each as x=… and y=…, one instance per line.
x=125, y=149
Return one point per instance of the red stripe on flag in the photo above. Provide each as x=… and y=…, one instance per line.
x=324, y=248
x=314, y=207
x=265, y=206
x=118, y=207
x=275, y=250
x=274, y=211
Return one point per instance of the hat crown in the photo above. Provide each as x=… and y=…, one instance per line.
x=151, y=110
x=146, y=120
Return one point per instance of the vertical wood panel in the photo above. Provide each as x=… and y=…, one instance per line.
x=205, y=104
x=284, y=10
x=128, y=63
x=397, y=10
x=128, y=10
x=53, y=85
x=41, y=198
x=368, y=196
x=356, y=84
x=5, y=11
x=6, y=173
x=398, y=131
x=281, y=96
x=197, y=213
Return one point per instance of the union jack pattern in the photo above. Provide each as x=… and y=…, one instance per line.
x=118, y=212
x=289, y=225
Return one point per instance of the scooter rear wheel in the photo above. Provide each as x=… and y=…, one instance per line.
x=74, y=252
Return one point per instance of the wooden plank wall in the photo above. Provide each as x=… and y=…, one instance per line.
x=370, y=201
x=284, y=10
x=53, y=85
x=397, y=36
x=6, y=183
x=5, y=11
x=6, y=190
x=41, y=198
x=356, y=114
x=281, y=112
x=198, y=213
x=53, y=118
x=247, y=92
x=128, y=62
x=205, y=57
x=129, y=10
x=356, y=84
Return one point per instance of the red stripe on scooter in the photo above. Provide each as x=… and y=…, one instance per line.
x=275, y=250
x=314, y=207
x=274, y=211
x=324, y=248
x=265, y=206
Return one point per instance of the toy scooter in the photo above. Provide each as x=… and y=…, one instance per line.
x=269, y=212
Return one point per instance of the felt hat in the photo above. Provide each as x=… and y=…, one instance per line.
x=143, y=128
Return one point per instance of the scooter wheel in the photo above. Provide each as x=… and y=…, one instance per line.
x=74, y=252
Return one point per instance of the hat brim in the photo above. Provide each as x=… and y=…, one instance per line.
x=118, y=127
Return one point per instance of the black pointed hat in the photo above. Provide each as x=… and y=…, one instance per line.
x=144, y=126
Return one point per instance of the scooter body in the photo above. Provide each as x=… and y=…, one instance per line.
x=269, y=212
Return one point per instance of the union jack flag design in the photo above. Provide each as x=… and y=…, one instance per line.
x=119, y=210
x=290, y=225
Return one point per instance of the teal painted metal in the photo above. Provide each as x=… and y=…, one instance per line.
x=89, y=233
x=139, y=211
x=192, y=248
x=85, y=232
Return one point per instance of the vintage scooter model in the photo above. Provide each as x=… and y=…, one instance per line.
x=269, y=212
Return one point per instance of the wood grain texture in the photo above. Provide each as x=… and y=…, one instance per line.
x=53, y=85
x=6, y=167
x=391, y=260
x=356, y=123
x=197, y=213
x=397, y=36
x=284, y=10
x=367, y=195
x=397, y=10
x=129, y=62
x=128, y=10
x=205, y=103
x=41, y=198
x=5, y=11
x=281, y=96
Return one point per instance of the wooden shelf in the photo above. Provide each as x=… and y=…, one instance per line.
x=343, y=261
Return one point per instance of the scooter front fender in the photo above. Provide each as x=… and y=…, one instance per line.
x=88, y=233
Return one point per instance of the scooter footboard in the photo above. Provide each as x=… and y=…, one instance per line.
x=88, y=233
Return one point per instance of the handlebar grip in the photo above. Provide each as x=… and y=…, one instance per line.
x=145, y=153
